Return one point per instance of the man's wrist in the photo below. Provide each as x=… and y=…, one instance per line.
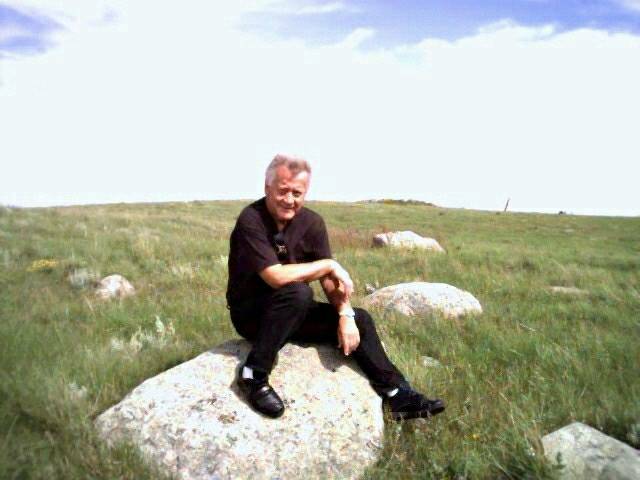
x=347, y=312
x=332, y=265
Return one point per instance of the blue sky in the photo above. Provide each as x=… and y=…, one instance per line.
x=463, y=104
x=395, y=22
x=403, y=21
x=25, y=32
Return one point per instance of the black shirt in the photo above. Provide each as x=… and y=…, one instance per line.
x=255, y=243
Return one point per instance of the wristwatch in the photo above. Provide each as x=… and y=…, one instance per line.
x=348, y=312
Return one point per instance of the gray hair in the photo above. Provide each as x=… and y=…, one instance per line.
x=294, y=164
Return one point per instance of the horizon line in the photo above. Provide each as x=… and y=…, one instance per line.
x=392, y=201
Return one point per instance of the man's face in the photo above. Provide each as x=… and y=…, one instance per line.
x=285, y=195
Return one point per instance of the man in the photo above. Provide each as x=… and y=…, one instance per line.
x=277, y=247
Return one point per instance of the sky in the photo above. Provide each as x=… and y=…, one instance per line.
x=464, y=104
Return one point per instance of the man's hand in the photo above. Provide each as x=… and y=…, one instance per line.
x=342, y=281
x=348, y=334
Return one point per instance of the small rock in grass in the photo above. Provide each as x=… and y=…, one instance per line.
x=568, y=291
x=77, y=392
x=114, y=286
x=430, y=362
x=82, y=277
x=406, y=239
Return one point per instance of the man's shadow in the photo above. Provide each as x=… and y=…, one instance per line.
x=331, y=358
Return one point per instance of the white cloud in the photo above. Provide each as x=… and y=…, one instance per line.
x=295, y=7
x=179, y=104
x=357, y=37
x=323, y=8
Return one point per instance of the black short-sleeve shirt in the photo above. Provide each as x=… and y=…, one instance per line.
x=255, y=245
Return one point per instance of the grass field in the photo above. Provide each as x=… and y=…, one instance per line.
x=531, y=363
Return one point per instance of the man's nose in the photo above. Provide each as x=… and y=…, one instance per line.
x=288, y=197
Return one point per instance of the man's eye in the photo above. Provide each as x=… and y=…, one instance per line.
x=297, y=194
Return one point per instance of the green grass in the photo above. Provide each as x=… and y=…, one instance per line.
x=531, y=363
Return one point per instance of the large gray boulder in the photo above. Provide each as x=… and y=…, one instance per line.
x=406, y=239
x=587, y=453
x=420, y=298
x=191, y=420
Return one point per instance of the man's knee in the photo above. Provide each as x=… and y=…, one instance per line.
x=295, y=293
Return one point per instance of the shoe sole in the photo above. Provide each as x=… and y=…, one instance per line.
x=399, y=416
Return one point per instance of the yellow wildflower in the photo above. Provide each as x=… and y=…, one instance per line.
x=42, y=265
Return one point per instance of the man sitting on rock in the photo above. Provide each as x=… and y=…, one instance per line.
x=277, y=247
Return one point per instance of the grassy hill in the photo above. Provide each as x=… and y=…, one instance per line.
x=533, y=362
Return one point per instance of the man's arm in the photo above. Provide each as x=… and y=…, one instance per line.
x=335, y=293
x=348, y=333
x=279, y=275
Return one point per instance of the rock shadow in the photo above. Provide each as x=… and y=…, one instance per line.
x=331, y=358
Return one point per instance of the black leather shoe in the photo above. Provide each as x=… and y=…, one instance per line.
x=407, y=404
x=262, y=397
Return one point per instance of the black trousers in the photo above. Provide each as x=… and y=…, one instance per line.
x=290, y=313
